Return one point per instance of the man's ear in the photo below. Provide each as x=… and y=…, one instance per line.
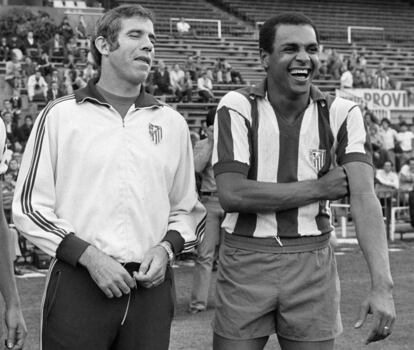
x=102, y=45
x=264, y=58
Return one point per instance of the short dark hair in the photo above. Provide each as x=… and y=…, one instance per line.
x=109, y=26
x=385, y=120
x=268, y=30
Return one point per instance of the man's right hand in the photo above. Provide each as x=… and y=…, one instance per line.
x=334, y=184
x=109, y=275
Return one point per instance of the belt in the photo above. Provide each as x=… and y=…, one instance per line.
x=206, y=193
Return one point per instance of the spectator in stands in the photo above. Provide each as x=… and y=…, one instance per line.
x=16, y=44
x=65, y=29
x=4, y=49
x=45, y=66
x=334, y=64
x=36, y=87
x=71, y=47
x=16, y=103
x=13, y=67
x=54, y=92
x=78, y=79
x=406, y=175
x=14, y=322
x=28, y=67
x=81, y=28
x=69, y=62
x=205, y=88
x=323, y=58
x=386, y=183
x=184, y=28
x=386, y=179
x=8, y=123
x=231, y=75
x=13, y=169
x=389, y=135
x=89, y=72
x=30, y=46
x=187, y=87
x=161, y=79
x=405, y=139
x=176, y=77
x=206, y=250
x=190, y=66
x=56, y=46
x=379, y=153
x=23, y=132
x=382, y=80
x=346, y=79
x=55, y=78
x=8, y=108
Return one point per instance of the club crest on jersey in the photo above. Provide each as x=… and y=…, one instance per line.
x=155, y=132
x=317, y=158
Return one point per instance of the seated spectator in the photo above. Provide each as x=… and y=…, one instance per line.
x=13, y=66
x=386, y=183
x=45, y=66
x=28, y=67
x=78, y=80
x=161, y=79
x=176, y=76
x=15, y=43
x=89, y=72
x=72, y=47
x=16, y=103
x=389, y=136
x=55, y=78
x=36, y=87
x=54, y=92
x=186, y=87
x=379, y=153
x=346, y=79
x=69, y=62
x=406, y=175
x=8, y=187
x=8, y=108
x=13, y=168
x=184, y=28
x=190, y=66
x=10, y=126
x=334, y=64
x=30, y=46
x=56, y=46
x=23, y=132
x=358, y=79
x=405, y=139
x=205, y=88
x=4, y=49
x=81, y=28
x=65, y=29
x=382, y=80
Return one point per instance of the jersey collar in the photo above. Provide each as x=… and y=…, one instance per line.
x=91, y=94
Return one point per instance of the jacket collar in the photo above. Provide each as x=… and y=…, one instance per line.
x=260, y=90
x=91, y=94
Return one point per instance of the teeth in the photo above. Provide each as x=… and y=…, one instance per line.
x=299, y=71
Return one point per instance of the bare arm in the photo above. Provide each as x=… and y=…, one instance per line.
x=239, y=194
x=16, y=327
x=370, y=229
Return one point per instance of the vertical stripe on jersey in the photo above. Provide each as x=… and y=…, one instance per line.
x=326, y=140
x=225, y=150
x=246, y=222
x=287, y=220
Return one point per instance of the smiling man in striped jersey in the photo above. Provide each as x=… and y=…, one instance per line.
x=282, y=150
x=107, y=187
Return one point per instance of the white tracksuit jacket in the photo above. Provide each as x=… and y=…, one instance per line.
x=90, y=177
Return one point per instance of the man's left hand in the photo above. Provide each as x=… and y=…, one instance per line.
x=16, y=328
x=381, y=305
x=152, y=270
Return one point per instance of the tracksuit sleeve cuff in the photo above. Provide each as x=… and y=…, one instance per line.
x=71, y=248
x=176, y=241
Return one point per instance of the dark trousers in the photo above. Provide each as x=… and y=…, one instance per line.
x=77, y=315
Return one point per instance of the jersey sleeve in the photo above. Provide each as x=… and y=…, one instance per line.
x=353, y=139
x=232, y=128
